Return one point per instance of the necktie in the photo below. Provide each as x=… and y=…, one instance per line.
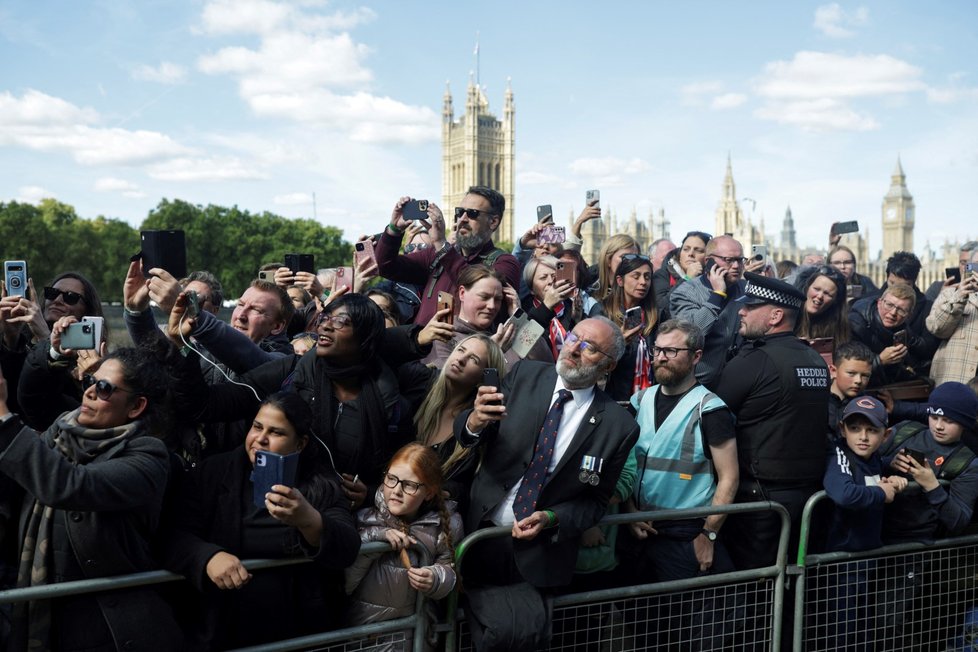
x=543, y=453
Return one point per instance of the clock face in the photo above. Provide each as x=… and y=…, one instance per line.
x=890, y=213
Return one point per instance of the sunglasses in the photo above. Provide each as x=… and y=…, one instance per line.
x=69, y=297
x=103, y=388
x=830, y=272
x=421, y=246
x=471, y=213
x=702, y=235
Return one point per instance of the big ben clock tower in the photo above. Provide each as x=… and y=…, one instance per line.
x=898, y=215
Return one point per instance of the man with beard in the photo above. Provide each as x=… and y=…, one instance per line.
x=686, y=457
x=554, y=446
x=476, y=219
x=778, y=389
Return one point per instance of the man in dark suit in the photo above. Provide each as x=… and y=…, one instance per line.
x=554, y=448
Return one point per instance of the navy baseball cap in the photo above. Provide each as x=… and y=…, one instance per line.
x=868, y=407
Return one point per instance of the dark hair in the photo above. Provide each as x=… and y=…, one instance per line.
x=904, y=265
x=614, y=303
x=854, y=350
x=395, y=312
x=496, y=201
x=208, y=279
x=834, y=321
x=286, y=309
x=702, y=235
x=93, y=303
x=367, y=320
x=145, y=372
x=306, y=297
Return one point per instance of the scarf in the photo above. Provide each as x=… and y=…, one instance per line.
x=643, y=366
x=557, y=331
x=80, y=445
x=371, y=453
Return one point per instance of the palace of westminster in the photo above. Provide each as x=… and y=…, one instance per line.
x=479, y=149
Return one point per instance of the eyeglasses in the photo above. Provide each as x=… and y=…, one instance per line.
x=103, y=388
x=892, y=307
x=410, y=487
x=421, y=246
x=339, y=322
x=702, y=235
x=69, y=297
x=471, y=213
x=573, y=338
x=731, y=260
x=843, y=263
x=669, y=351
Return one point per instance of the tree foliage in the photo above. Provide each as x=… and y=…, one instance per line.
x=228, y=242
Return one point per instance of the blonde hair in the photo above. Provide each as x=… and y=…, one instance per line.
x=612, y=245
x=427, y=417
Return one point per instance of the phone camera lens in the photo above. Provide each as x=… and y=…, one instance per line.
x=15, y=282
x=86, y=329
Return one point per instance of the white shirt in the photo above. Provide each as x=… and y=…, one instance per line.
x=570, y=422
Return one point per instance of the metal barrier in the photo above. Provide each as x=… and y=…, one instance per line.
x=911, y=596
x=348, y=639
x=663, y=614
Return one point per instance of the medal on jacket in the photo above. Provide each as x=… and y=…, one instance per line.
x=590, y=472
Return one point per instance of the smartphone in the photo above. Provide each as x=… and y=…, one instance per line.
x=416, y=209
x=490, y=377
x=447, y=300
x=953, y=274
x=193, y=304
x=80, y=335
x=266, y=275
x=271, y=469
x=759, y=252
x=900, y=337
x=845, y=227
x=166, y=249
x=854, y=291
x=343, y=278
x=545, y=213
x=566, y=272
x=98, y=323
x=301, y=263
x=364, y=250
x=592, y=196
x=633, y=318
x=551, y=234
x=918, y=456
x=15, y=277
x=517, y=319
x=709, y=265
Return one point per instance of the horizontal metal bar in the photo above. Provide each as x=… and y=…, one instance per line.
x=336, y=636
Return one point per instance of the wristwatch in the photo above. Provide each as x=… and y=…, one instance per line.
x=710, y=534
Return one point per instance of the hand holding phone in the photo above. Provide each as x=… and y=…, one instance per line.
x=364, y=251
x=446, y=301
x=15, y=278
x=900, y=338
x=416, y=209
x=545, y=213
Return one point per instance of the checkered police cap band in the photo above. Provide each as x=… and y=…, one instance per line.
x=773, y=295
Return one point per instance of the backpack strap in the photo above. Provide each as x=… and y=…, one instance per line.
x=901, y=433
x=959, y=459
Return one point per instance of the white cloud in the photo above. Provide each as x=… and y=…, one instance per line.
x=608, y=166
x=306, y=68
x=833, y=21
x=696, y=93
x=812, y=90
x=32, y=194
x=165, y=73
x=728, y=101
x=205, y=169
x=112, y=184
x=37, y=108
x=293, y=199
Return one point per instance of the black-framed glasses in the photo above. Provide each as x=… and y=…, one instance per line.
x=573, y=338
x=702, y=235
x=103, y=388
x=731, y=260
x=471, y=213
x=69, y=297
x=410, y=487
x=669, y=351
x=338, y=322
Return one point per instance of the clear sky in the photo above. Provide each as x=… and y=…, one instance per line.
x=112, y=105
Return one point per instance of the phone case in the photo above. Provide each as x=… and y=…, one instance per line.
x=166, y=250
x=15, y=277
x=271, y=469
x=99, y=323
x=526, y=337
x=363, y=250
x=343, y=278
x=78, y=336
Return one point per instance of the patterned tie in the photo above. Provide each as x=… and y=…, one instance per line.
x=543, y=453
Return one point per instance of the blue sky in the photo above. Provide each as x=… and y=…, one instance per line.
x=111, y=106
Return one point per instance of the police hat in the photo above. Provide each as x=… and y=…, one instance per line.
x=763, y=289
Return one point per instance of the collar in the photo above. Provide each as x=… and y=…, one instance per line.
x=579, y=396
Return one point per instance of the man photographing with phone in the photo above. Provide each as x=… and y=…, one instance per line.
x=476, y=219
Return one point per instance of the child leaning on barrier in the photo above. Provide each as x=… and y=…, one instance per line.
x=409, y=511
x=927, y=456
x=853, y=478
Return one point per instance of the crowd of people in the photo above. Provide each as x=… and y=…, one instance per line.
x=450, y=386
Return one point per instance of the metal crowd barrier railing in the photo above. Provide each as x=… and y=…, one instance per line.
x=910, y=596
x=360, y=637
x=746, y=605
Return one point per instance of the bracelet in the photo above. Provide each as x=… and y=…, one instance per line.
x=132, y=313
x=551, y=518
x=395, y=230
x=722, y=294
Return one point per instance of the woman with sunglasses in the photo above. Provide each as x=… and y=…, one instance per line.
x=631, y=306
x=680, y=265
x=84, y=500
x=825, y=314
x=218, y=521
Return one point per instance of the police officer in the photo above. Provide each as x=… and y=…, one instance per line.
x=778, y=389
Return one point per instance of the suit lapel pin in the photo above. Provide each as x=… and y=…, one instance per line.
x=592, y=421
